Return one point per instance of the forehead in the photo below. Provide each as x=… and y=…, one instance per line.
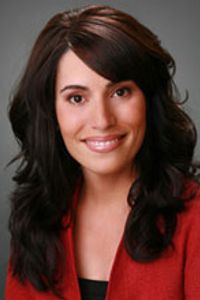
x=72, y=70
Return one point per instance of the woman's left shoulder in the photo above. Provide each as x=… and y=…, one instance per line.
x=188, y=239
x=191, y=198
x=191, y=193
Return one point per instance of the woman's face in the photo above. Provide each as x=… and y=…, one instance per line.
x=102, y=123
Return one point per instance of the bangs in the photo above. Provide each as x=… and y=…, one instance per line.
x=113, y=54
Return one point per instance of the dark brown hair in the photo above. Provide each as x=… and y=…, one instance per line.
x=117, y=47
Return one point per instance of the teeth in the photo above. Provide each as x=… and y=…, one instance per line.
x=102, y=144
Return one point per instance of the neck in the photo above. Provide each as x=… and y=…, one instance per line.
x=104, y=190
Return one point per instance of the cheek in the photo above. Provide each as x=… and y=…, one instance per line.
x=69, y=122
x=134, y=116
x=64, y=120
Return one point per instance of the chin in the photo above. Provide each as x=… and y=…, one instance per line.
x=107, y=169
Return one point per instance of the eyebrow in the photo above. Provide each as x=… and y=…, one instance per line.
x=73, y=86
x=82, y=87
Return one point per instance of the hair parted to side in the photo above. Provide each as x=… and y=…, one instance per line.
x=117, y=47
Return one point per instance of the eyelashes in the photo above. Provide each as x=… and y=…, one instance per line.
x=122, y=92
x=77, y=98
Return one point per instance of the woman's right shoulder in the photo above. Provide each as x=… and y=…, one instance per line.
x=15, y=289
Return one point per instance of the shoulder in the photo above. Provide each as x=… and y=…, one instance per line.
x=188, y=220
x=188, y=236
x=14, y=289
x=191, y=198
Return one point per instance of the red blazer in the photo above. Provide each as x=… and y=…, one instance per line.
x=174, y=276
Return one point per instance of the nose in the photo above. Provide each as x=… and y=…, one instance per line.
x=102, y=115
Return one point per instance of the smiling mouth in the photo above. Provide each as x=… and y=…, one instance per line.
x=104, y=144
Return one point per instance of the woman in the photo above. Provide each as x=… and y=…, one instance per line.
x=105, y=206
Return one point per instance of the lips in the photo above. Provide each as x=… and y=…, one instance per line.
x=103, y=144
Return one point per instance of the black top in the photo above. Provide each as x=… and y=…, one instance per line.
x=92, y=289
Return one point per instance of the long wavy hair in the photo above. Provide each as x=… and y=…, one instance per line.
x=118, y=47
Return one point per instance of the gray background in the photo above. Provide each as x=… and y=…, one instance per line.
x=177, y=23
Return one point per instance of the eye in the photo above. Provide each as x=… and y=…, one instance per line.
x=122, y=92
x=75, y=99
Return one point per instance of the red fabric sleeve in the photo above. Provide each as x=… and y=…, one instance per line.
x=192, y=264
x=16, y=290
